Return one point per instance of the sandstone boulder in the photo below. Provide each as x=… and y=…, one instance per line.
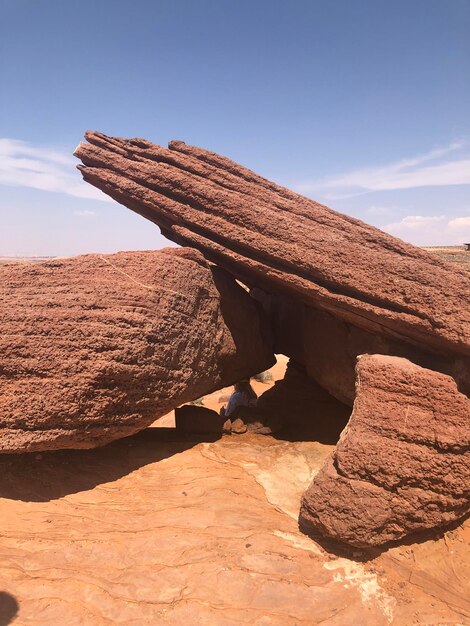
x=198, y=420
x=95, y=348
x=402, y=464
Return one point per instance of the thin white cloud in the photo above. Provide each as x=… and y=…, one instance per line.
x=425, y=230
x=85, y=213
x=380, y=211
x=435, y=168
x=461, y=225
x=25, y=165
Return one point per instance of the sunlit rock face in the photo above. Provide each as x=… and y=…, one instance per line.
x=332, y=288
x=402, y=463
x=284, y=243
x=95, y=348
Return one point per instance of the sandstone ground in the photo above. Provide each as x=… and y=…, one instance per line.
x=153, y=529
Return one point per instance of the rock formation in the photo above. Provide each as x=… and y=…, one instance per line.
x=403, y=461
x=209, y=537
x=114, y=342
x=332, y=289
x=95, y=348
x=328, y=347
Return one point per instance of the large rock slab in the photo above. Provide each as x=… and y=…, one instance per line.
x=402, y=464
x=284, y=243
x=95, y=348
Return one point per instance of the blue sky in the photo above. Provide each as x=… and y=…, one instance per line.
x=360, y=104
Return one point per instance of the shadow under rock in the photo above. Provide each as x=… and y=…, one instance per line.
x=8, y=608
x=45, y=476
x=365, y=554
x=299, y=409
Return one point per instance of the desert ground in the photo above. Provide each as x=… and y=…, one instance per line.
x=160, y=528
x=156, y=529
x=4, y=260
x=454, y=254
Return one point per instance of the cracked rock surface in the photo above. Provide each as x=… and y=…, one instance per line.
x=150, y=530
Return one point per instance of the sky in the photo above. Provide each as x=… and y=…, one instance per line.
x=362, y=105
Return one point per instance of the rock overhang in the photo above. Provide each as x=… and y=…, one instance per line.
x=332, y=288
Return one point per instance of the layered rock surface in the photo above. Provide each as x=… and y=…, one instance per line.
x=284, y=243
x=402, y=464
x=152, y=531
x=95, y=348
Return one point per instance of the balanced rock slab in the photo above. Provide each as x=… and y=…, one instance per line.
x=95, y=348
x=282, y=242
x=402, y=464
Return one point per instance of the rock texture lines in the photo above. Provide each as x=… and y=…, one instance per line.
x=207, y=536
x=280, y=241
x=332, y=289
x=403, y=461
x=97, y=347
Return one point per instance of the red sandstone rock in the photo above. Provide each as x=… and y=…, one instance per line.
x=209, y=537
x=284, y=243
x=402, y=464
x=95, y=348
